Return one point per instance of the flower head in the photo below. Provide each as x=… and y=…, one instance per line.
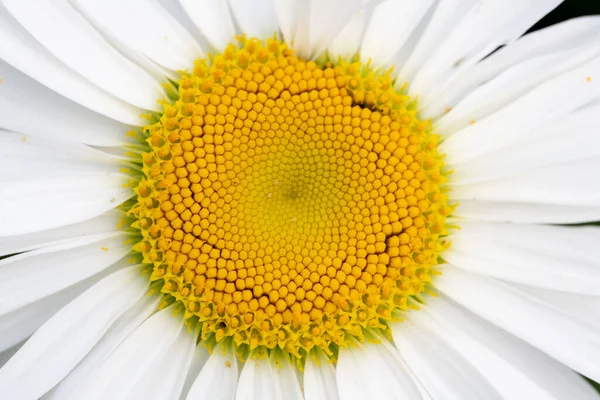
x=213, y=199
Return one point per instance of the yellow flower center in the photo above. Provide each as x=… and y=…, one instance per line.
x=289, y=203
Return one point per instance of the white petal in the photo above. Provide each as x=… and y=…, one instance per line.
x=23, y=157
x=24, y=53
x=373, y=371
x=106, y=222
x=556, y=39
x=30, y=276
x=583, y=307
x=525, y=212
x=348, y=41
x=510, y=85
x=166, y=376
x=73, y=41
x=200, y=357
x=153, y=32
x=213, y=19
x=558, y=258
x=285, y=375
x=30, y=108
x=577, y=181
x=45, y=203
x=21, y=323
x=385, y=35
x=288, y=13
x=515, y=368
x=218, y=379
x=445, y=17
x=176, y=10
x=125, y=370
x=319, y=377
x=71, y=387
x=7, y=354
x=67, y=337
x=474, y=33
x=574, y=137
x=575, y=243
x=314, y=24
x=549, y=102
x=262, y=378
x=443, y=372
x=256, y=18
x=575, y=344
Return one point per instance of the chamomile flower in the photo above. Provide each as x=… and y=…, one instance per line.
x=283, y=199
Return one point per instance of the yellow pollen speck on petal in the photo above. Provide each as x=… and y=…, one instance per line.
x=589, y=78
x=104, y=248
x=290, y=203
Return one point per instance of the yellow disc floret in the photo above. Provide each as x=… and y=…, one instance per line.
x=288, y=203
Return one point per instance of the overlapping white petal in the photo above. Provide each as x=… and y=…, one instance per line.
x=153, y=34
x=285, y=374
x=319, y=377
x=41, y=203
x=585, y=308
x=56, y=348
x=74, y=42
x=25, y=157
x=32, y=109
x=443, y=372
x=348, y=40
x=549, y=102
x=213, y=18
x=73, y=385
x=557, y=39
x=312, y=25
x=383, y=25
x=515, y=368
x=129, y=369
x=218, y=378
x=19, y=49
x=200, y=357
x=107, y=222
x=574, y=183
x=464, y=37
x=167, y=374
x=574, y=343
x=289, y=12
x=256, y=18
x=7, y=354
x=19, y=324
x=268, y=378
x=527, y=213
x=30, y=276
x=375, y=371
x=574, y=137
x=558, y=258
x=511, y=84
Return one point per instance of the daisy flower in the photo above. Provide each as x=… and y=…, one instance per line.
x=285, y=199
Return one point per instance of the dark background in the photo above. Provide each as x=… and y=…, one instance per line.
x=567, y=10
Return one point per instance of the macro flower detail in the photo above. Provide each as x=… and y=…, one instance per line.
x=290, y=205
x=283, y=199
